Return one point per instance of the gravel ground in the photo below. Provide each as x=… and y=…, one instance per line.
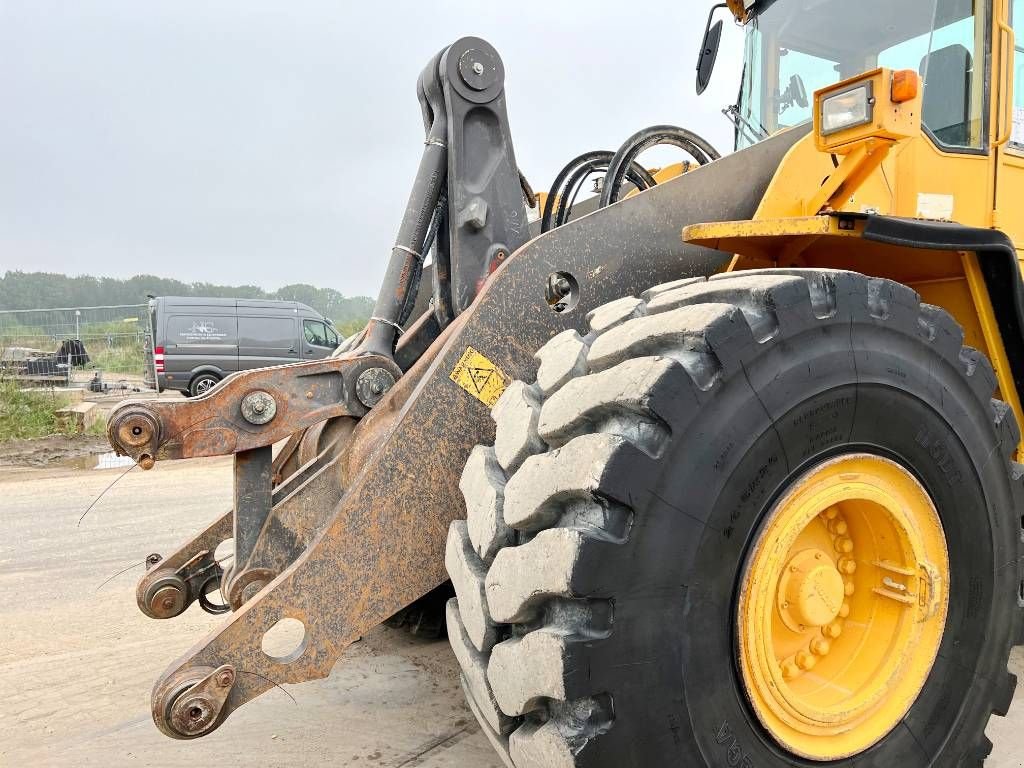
x=77, y=659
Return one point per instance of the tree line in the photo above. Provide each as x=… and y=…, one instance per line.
x=47, y=290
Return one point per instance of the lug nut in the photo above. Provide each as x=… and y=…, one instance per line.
x=820, y=646
x=833, y=630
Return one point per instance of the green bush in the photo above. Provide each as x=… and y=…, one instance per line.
x=27, y=414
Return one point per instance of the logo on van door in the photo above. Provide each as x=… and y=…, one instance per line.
x=203, y=330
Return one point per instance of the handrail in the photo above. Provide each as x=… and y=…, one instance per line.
x=1007, y=92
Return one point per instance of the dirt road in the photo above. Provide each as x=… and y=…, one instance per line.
x=77, y=659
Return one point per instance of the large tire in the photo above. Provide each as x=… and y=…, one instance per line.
x=607, y=528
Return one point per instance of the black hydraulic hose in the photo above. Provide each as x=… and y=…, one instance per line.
x=599, y=159
x=444, y=307
x=401, y=280
x=698, y=148
x=639, y=176
x=556, y=186
x=528, y=193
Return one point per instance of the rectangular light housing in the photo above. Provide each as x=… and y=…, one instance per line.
x=847, y=109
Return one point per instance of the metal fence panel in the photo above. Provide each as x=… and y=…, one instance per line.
x=116, y=340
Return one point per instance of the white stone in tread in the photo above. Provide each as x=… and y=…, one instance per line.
x=652, y=293
x=669, y=333
x=526, y=669
x=540, y=746
x=615, y=313
x=570, y=472
x=483, y=486
x=562, y=358
x=468, y=575
x=516, y=437
x=523, y=577
x=474, y=672
x=624, y=387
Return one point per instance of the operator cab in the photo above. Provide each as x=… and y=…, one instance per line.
x=795, y=47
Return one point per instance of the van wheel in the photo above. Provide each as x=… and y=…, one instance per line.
x=770, y=519
x=202, y=384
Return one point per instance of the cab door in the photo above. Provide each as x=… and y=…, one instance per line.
x=1008, y=119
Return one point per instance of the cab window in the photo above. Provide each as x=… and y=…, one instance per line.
x=800, y=75
x=1017, y=141
x=954, y=74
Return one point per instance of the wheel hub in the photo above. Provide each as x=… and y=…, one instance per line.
x=842, y=606
x=811, y=591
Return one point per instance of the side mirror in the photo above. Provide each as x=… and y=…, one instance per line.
x=709, y=52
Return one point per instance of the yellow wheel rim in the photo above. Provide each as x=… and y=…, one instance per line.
x=842, y=606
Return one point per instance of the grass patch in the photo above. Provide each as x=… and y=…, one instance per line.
x=97, y=429
x=28, y=414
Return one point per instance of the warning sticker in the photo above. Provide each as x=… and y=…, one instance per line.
x=480, y=377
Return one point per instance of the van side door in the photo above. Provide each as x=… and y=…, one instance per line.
x=266, y=340
x=318, y=339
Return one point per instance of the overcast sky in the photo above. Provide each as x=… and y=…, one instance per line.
x=275, y=142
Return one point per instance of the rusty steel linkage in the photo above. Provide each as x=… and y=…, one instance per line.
x=250, y=409
x=245, y=415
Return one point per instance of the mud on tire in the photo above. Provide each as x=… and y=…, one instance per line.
x=606, y=527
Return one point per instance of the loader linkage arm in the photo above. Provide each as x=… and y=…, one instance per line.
x=245, y=415
x=250, y=410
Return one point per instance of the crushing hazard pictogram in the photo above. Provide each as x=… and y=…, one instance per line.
x=480, y=377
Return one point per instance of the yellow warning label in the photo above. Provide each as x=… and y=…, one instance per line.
x=480, y=377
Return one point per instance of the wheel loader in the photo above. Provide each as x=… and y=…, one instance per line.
x=721, y=464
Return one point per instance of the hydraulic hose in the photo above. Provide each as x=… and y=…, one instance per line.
x=595, y=160
x=636, y=174
x=697, y=147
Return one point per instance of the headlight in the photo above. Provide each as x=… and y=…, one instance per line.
x=847, y=109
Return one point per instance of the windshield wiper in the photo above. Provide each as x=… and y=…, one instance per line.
x=756, y=132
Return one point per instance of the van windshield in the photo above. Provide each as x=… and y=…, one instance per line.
x=795, y=47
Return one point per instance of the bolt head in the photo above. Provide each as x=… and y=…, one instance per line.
x=167, y=601
x=478, y=68
x=258, y=407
